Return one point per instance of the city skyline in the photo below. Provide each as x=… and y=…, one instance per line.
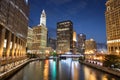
x=43, y=46
x=86, y=16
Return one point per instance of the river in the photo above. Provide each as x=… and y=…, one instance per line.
x=60, y=70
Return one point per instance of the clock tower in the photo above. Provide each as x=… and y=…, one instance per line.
x=43, y=18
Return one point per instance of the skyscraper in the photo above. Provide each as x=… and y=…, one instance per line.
x=81, y=42
x=90, y=46
x=40, y=35
x=30, y=40
x=74, y=43
x=113, y=26
x=64, y=36
x=74, y=39
x=43, y=19
x=13, y=27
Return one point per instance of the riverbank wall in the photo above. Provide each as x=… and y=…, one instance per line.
x=9, y=73
x=104, y=69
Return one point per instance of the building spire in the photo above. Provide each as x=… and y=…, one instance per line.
x=43, y=11
x=43, y=18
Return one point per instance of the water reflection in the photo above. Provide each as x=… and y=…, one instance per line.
x=89, y=75
x=46, y=70
x=60, y=70
x=75, y=72
x=53, y=70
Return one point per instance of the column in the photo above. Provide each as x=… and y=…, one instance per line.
x=17, y=47
x=20, y=54
x=13, y=45
x=2, y=37
x=22, y=49
x=8, y=44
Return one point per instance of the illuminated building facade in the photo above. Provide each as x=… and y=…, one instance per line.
x=13, y=28
x=64, y=36
x=81, y=42
x=90, y=46
x=74, y=42
x=113, y=26
x=43, y=18
x=29, y=40
x=74, y=39
x=40, y=36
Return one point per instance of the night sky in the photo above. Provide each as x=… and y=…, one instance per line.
x=88, y=16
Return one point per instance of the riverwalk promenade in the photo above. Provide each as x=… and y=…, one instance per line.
x=105, y=69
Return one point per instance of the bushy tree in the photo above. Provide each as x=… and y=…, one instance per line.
x=111, y=61
x=53, y=53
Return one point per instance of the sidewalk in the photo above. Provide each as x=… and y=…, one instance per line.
x=8, y=73
x=105, y=69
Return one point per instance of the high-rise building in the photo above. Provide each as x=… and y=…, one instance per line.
x=29, y=40
x=43, y=18
x=90, y=46
x=74, y=42
x=74, y=39
x=113, y=26
x=40, y=36
x=64, y=36
x=13, y=27
x=81, y=42
x=52, y=43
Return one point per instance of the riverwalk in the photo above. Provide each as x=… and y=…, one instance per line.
x=105, y=69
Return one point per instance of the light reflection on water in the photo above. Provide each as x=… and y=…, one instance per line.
x=46, y=70
x=60, y=70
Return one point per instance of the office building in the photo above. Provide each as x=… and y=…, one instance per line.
x=13, y=28
x=40, y=36
x=112, y=15
x=81, y=42
x=29, y=40
x=74, y=42
x=90, y=46
x=64, y=36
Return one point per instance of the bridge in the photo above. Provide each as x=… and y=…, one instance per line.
x=70, y=55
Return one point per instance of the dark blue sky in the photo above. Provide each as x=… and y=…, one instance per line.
x=87, y=16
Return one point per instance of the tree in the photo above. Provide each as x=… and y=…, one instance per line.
x=53, y=53
x=111, y=61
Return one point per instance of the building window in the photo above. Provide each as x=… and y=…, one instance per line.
x=111, y=48
x=108, y=8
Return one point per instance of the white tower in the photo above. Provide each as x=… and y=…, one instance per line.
x=43, y=19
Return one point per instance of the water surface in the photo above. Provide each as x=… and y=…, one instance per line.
x=60, y=70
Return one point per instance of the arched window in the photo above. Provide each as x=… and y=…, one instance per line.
x=108, y=8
